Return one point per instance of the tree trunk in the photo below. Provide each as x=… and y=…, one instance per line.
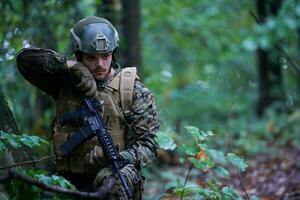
x=263, y=80
x=131, y=46
x=270, y=87
x=107, y=10
x=8, y=124
x=7, y=120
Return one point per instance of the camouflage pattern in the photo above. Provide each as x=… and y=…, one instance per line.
x=43, y=66
x=133, y=177
x=144, y=123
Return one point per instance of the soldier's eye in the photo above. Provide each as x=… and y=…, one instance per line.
x=89, y=58
x=105, y=56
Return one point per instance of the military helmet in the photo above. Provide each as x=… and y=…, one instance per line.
x=93, y=35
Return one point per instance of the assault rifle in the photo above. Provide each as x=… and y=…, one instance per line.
x=91, y=124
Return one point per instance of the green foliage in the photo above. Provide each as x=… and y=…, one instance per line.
x=38, y=23
x=17, y=190
x=208, y=158
x=44, y=177
x=254, y=136
x=204, y=159
x=196, y=55
x=9, y=140
x=164, y=141
x=236, y=161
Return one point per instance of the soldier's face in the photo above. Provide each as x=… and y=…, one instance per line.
x=98, y=64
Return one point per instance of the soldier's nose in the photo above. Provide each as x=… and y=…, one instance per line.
x=100, y=62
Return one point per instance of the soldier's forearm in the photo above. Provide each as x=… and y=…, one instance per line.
x=42, y=61
x=41, y=67
x=141, y=153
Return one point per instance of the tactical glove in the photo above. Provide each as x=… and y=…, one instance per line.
x=95, y=158
x=87, y=82
x=132, y=176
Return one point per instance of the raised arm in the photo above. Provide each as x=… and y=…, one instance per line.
x=42, y=68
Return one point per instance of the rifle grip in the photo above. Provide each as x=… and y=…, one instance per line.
x=76, y=139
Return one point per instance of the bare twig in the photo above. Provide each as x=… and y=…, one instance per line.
x=230, y=148
x=101, y=192
x=231, y=144
x=31, y=162
x=186, y=179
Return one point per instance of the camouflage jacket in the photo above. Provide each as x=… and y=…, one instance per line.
x=42, y=67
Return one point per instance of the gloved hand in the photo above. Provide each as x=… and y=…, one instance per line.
x=87, y=82
x=132, y=176
x=95, y=158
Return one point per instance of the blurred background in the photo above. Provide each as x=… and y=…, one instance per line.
x=224, y=67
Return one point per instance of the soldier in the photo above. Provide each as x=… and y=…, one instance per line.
x=128, y=107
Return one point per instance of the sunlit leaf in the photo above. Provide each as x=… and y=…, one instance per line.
x=190, y=150
x=230, y=193
x=237, y=161
x=165, y=141
x=217, y=156
x=221, y=171
x=32, y=141
x=202, y=165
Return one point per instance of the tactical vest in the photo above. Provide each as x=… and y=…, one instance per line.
x=116, y=98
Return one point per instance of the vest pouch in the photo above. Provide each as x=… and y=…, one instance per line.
x=118, y=138
x=72, y=163
x=61, y=162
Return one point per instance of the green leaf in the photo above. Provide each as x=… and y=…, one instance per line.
x=202, y=165
x=190, y=150
x=12, y=141
x=32, y=141
x=16, y=141
x=222, y=172
x=58, y=180
x=237, y=161
x=217, y=156
x=179, y=185
x=230, y=193
x=33, y=172
x=165, y=141
x=192, y=130
x=199, y=136
x=214, y=183
x=44, y=179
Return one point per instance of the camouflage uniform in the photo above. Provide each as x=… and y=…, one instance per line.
x=44, y=69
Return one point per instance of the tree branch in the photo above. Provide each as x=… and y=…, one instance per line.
x=26, y=162
x=101, y=192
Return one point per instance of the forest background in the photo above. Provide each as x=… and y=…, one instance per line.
x=222, y=67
